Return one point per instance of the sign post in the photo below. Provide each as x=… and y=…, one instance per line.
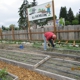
x=53, y=16
x=29, y=26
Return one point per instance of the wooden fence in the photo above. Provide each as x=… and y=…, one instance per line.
x=63, y=33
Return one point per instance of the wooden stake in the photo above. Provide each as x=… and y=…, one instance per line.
x=66, y=42
x=59, y=42
x=74, y=43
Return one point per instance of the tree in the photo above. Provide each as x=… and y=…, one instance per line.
x=11, y=26
x=63, y=13
x=34, y=3
x=61, y=22
x=67, y=23
x=76, y=16
x=3, y=27
x=23, y=15
x=75, y=22
x=70, y=15
x=23, y=20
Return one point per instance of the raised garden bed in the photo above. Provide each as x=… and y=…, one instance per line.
x=62, y=67
x=22, y=57
x=22, y=73
x=39, y=60
x=4, y=75
x=46, y=67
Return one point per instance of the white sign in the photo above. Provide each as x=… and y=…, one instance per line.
x=41, y=11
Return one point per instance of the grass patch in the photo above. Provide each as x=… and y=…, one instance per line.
x=37, y=44
x=62, y=46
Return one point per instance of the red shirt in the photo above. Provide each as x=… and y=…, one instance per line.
x=48, y=35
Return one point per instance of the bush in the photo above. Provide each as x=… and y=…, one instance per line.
x=75, y=22
x=3, y=72
x=67, y=23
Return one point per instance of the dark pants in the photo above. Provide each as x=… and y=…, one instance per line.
x=51, y=42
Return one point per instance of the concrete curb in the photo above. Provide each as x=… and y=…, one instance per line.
x=53, y=75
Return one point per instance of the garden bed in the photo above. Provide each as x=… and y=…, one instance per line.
x=22, y=73
x=22, y=59
x=4, y=75
x=46, y=66
x=26, y=58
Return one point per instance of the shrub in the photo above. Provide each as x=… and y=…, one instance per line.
x=3, y=72
x=75, y=22
x=67, y=23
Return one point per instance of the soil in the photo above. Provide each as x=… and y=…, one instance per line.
x=23, y=73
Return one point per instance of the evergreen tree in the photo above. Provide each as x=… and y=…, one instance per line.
x=70, y=15
x=76, y=16
x=23, y=15
x=3, y=27
x=63, y=13
x=34, y=3
x=23, y=22
x=60, y=15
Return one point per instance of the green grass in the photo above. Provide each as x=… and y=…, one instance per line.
x=72, y=48
x=37, y=44
x=67, y=47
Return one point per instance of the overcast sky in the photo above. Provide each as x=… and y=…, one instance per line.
x=9, y=9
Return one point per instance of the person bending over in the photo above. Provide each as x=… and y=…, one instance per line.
x=50, y=37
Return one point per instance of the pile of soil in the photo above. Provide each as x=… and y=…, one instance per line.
x=23, y=73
